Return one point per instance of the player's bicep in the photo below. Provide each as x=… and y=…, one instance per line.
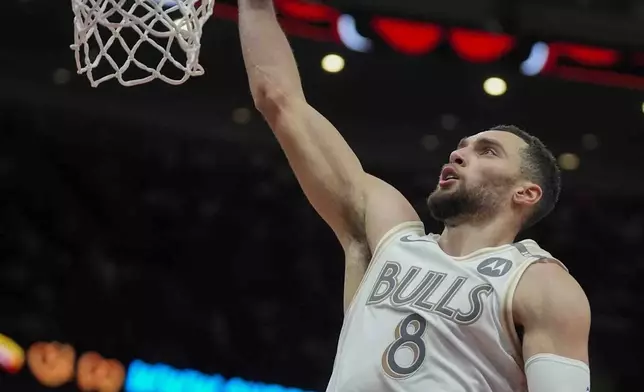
x=554, y=313
x=326, y=168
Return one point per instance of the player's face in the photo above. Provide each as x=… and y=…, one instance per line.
x=479, y=179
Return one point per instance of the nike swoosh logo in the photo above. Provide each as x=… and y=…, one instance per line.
x=407, y=238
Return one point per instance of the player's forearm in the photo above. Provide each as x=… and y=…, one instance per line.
x=327, y=169
x=270, y=64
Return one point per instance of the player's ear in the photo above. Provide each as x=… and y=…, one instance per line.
x=527, y=194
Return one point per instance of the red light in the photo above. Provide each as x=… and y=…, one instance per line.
x=308, y=11
x=479, y=46
x=596, y=76
x=413, y=38
x=587, y=55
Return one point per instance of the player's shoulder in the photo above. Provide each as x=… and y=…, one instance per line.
x=546, y=276
x=547, y=288
x=530, y=251
x=530, y=248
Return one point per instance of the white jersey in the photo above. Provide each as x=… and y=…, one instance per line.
x=423, y=321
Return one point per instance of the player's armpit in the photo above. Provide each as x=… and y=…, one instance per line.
x=555, y=315
x=385, y=209
x=554, y=312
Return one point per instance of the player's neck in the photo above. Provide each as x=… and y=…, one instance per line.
x=465, y=238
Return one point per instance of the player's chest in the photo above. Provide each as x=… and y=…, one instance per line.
x=430, y=284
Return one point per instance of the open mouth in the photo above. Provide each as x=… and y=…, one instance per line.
x=448, y=173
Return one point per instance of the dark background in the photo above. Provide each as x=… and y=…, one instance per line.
x=163, y=223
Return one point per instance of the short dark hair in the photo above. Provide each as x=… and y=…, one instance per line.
x=539, y=166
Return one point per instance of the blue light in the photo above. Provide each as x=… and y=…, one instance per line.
x=537, y=59
x=348, y=33
x=144, y=377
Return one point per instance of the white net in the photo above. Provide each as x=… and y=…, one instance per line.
x=137, y=41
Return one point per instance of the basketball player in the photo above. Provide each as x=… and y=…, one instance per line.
x=468, y=310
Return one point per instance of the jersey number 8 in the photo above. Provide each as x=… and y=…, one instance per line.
x=405, y=339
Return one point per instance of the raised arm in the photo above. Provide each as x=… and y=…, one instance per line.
x=555, y=315
x=358, y=207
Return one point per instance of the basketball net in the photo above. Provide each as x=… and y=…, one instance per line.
x=139, y=37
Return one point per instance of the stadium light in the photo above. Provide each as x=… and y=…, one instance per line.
x=333, y=63
x=569, y=161
x=495, y=86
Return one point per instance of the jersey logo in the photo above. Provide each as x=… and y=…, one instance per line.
x=494, y=267
x=401, y=289
x=407, y=238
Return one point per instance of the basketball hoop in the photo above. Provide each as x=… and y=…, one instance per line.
x=139, y=37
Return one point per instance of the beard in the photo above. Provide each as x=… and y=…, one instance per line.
x=466, y=203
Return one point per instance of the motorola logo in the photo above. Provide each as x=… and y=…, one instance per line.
x=494, y=267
